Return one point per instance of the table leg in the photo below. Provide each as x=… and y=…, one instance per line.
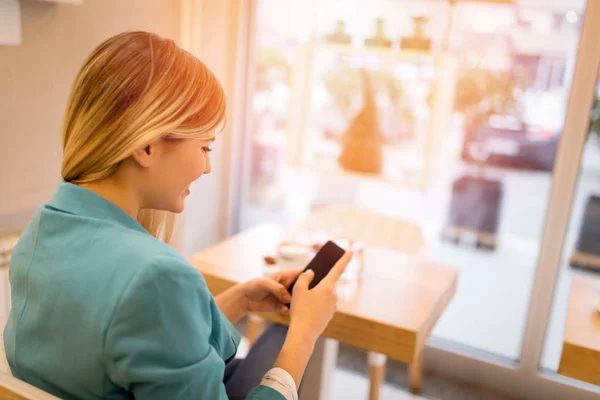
x=376, y=366
x=256, y=326
x=415, y=372
x=316, y=384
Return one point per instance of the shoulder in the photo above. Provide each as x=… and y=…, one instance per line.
x=118, y=256
x=127, y=251
x=165, y=298
x=167, y=264
x=152, y=252
x=164, y=288
x=151, y=262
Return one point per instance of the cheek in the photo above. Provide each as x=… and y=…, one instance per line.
x=185, y=165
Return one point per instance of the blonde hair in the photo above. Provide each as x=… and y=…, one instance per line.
x=134, y=88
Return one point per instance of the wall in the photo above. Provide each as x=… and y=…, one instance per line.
x=35, y=80
x=214, y=31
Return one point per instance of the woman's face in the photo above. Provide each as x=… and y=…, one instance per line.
x=178, y=163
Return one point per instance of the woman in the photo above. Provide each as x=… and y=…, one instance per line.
x=101, y=308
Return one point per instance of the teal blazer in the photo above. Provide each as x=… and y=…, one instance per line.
x=103, y=310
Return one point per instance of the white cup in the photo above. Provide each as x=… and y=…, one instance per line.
x=291, y=255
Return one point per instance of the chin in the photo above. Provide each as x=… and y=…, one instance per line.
x=178, y=209
x=178, y=205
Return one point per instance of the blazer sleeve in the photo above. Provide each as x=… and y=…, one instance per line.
x=168, y=340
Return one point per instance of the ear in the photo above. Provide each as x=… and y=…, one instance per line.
x=145, y=156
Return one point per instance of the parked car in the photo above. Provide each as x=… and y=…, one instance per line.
x=512, y=145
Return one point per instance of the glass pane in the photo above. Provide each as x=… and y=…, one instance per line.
x=447, y=117
x=575, y=318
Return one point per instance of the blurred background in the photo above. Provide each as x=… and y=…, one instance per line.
x=471, y=116
x=445, y=114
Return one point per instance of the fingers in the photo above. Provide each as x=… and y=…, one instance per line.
x=338, y=269
x=272, y=304
x=277, y=290
x=285, y=277
x=277, y=306
x=288, y=277
x=304, y=280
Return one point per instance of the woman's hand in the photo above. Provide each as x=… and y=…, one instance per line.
x=313, y=309
x=270, y=294
x=311, y=312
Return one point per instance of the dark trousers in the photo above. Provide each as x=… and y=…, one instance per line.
x=243, y=375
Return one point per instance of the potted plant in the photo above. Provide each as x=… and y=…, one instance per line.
x=345, y=85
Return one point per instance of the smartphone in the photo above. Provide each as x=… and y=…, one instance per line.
x=322, y=263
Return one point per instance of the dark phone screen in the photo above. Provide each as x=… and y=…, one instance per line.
x=322, y=263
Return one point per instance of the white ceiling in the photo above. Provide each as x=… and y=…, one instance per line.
x=559, y=5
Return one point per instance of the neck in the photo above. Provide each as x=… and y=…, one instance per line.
x=117, y=193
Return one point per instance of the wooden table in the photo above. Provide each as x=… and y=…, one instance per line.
x=580, y=358
x=391, y=310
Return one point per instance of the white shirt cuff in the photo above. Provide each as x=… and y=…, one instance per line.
x=280, y=380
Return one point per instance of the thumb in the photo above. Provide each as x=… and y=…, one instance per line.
x=304, y=280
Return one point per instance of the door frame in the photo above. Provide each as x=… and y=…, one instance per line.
x=524, y=378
